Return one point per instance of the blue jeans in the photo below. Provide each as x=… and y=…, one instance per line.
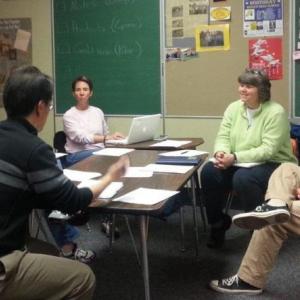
x=74, y=158
x=249, y=184
x=63, y=232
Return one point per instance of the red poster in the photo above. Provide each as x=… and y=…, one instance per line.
x=266, y=54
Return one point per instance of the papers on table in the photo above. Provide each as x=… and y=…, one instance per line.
x=247, y=165
x=113, y=151
x=108, y=192
x=80, y=175
x=59, y=154
x=170, y=143
x=138, y=172
x=184, y=153
x=168, y=168
x=146, y=196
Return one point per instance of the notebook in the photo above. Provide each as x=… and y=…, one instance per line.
x=142, y=129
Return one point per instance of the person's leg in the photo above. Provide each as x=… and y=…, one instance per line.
x=250, y=184
x=263, y=250
x=37, y=276
x=65, y=235
x=259, y=260
x=215, y=184
x=280, y=195
x=74, y=158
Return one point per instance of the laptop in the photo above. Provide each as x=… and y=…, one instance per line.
x=142, y=129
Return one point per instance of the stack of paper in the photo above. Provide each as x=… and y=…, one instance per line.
x=170, y=143
x=80, y=175
x=146, y=196
x=182, y=157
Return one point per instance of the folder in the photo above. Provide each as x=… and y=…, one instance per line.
x=182, y=157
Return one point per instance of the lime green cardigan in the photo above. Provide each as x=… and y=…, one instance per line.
x=267, y=139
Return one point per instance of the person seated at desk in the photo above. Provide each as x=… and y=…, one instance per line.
x=281, y=210
x=254, y=129
x=84, y=125
x=30, y=178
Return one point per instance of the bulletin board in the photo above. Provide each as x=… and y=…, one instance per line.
x=204, y=86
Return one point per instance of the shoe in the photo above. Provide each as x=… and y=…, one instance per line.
x=217, y=234
x=106, y=227
x=58, y=215
x=262, y=216
x=84, y=256
x=234, y=285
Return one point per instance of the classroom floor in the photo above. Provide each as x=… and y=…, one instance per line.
x=179, y=275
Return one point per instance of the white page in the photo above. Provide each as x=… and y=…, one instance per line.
x=146, y=196
x=241, y=165
x=170, y=143
x=59, y=154
x=184, y=153
x=162, y=168
x=80, y=175
x=113, y=151
x=108, y=192
x=138, y=172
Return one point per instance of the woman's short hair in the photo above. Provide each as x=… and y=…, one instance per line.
x=84, y=79
x=23, y=90
x=259, y=79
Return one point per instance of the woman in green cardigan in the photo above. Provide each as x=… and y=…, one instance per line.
x=254, y=129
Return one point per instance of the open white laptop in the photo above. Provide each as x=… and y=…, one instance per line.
x=142, y=129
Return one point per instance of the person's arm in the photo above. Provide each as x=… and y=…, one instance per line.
x=222, y=142
x=115, y=171
x=75, y=132
x=274, y=134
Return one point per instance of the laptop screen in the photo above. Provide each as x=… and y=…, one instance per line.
x=144, y=128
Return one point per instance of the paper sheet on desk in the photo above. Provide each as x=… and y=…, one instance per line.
x=161, y=168
x=59, y=154
x=184, y=153
x=80, y=175
x=113, y=151
x=170, y=143
x=146, y=196
x=242, y=165
x=108, y=192
x=138, y=172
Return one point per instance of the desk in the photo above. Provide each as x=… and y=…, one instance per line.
x=158, y=180
x=194, y=142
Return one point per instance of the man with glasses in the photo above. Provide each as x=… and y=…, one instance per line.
x=30, y=178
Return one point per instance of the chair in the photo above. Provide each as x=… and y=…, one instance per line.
x=59, y=141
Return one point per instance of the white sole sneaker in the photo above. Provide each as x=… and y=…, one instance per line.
x=256, y=220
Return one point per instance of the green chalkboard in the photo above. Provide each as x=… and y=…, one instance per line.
x=297, y=62
x=116, y=43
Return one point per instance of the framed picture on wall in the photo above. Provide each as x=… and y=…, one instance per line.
x=212, y=37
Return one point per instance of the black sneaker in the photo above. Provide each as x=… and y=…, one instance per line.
x=262, y=216
x=234, y=285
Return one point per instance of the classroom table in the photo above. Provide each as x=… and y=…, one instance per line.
x=169, y=181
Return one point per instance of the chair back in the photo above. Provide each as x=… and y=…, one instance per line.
x=59, y=141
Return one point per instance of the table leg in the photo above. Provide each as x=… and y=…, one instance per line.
x=195, y=215
x=198, y=196
x=145, y=266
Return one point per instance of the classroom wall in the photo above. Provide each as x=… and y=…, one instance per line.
x=40, y=13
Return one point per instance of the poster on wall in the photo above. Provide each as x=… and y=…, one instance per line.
x=263, y=18
x=182, y=16
x=212, y=37
x=266, y=54
x=15, y=47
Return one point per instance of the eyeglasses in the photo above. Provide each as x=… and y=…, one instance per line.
x=51, y=106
